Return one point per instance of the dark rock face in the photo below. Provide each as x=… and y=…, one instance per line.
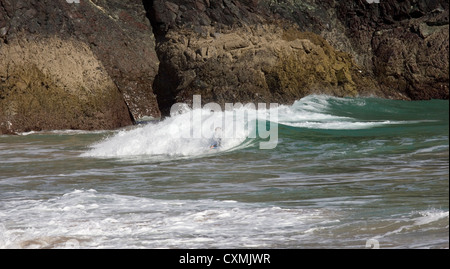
x=112, y=37
x=406, y=43
x=248, y=51
x=395, y=49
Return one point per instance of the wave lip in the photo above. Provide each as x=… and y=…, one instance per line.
x=189, y=134
x=177, y=136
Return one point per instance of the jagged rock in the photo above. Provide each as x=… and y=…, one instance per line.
x=404, y=43
x=257, y=51
x=56, y=84
x=413, y=60
x=244, y=56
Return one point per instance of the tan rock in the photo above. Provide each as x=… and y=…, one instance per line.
x=265, y=63
x=57, y=84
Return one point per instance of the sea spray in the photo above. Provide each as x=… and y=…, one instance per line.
x=234, y=118
x=188, y=131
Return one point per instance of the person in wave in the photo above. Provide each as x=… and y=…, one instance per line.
x=217, y=138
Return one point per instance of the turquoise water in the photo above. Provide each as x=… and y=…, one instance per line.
x=344, y=171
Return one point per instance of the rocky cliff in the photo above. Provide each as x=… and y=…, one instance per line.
x=248, y=51
x=69, y=65
x=102, y=64
x=404, y=43
x=280, y=51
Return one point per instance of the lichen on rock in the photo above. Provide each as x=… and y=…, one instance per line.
x=52, y=83
x=107, y=74
x=264, y=63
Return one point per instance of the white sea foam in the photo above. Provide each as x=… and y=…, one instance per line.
x=315, y=112
x=98, y=220
x=182, y=134
x=433, y=149
x=310, y=108
x=423, y=220
x=341, y=125
x=430, y=216
x=62, y=132
x=189, y=134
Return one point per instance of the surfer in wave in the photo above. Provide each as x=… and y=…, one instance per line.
x=217, y=138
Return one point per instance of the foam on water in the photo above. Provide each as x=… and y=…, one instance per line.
x=90, y=219
x=319, y=112
x=407, y=229
x=429, y=216
x=341, y=125
x=61, y=132
x=97, y=220
x=184, y=135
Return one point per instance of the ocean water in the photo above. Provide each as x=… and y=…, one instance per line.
x=343, y=173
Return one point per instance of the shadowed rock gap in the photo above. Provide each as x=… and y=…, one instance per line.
x=165, y=80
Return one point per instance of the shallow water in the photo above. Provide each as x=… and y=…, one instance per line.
x=344, y=171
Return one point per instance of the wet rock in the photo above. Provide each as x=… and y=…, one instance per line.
x=57, y=84
x=413, y=64
x=283, y=50
x=249, y=54
x=404, y=44
x=253, y=64
x=115, y=36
